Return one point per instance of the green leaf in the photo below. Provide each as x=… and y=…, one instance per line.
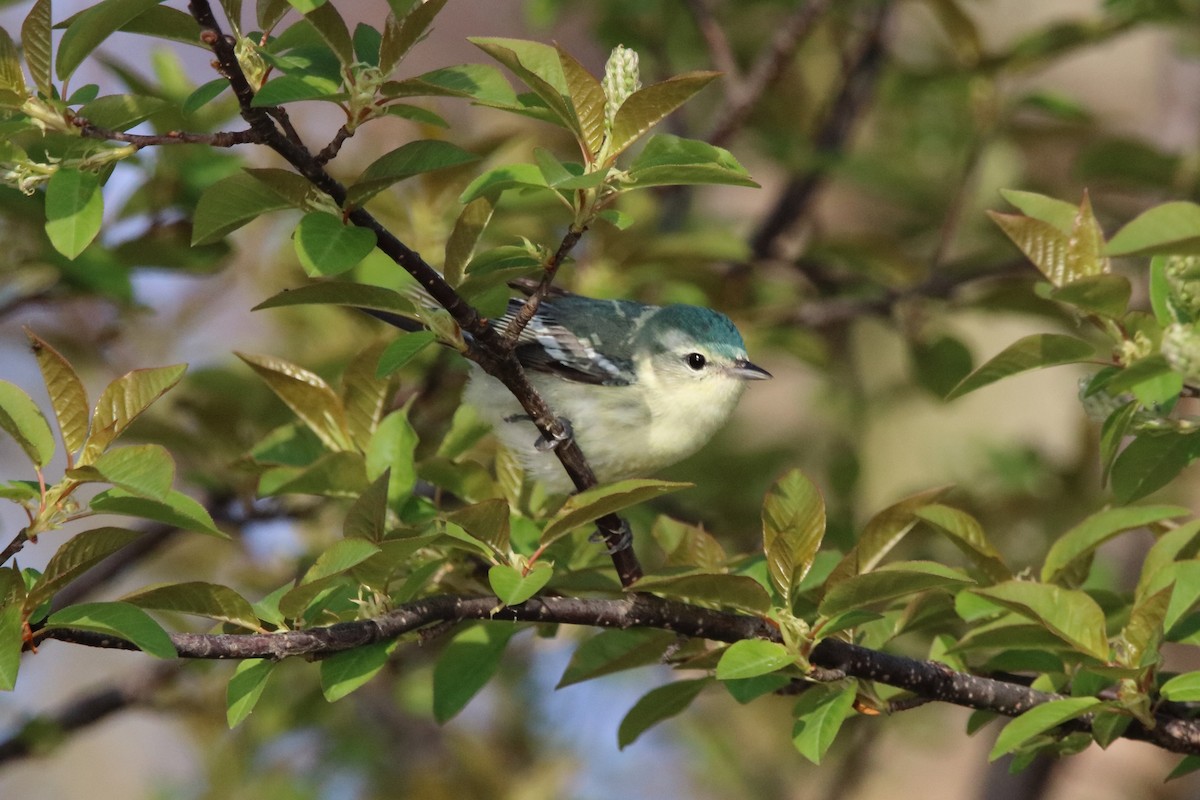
x=77, y=555
x=1150, y=462
x=614, y=651
x=750, y=658
x=92, y=27
x=733, y=591
x=327, y=246
x=245, y=687
x=329, y=568
x=197, y=597
x=1069, y=614
x=399, y=35
x=1084, y=258
x=346, y=671
x=1082, y=540
x=965, y=531
x=1030, y=352
x=413, y=158
x=668, y=160
x=11, y=645
x=752, y=688
x=480, y=82
x=332, y=28
x=1161, y=301
x=793, y=518
x=819, y=714
x=1039, y=720
x=646, y=107
x=1112, y=436
x=120, y=112
x=881, y=534
x=657, y=705
x=1058, y=213
x=393, y=447
x=21, y=419
x=296, y=89
x=1042, y=243
x=1106, y=295
x=11, y=78
x=364, y=394
x=74, y=210
x=229, y=204
x=1183, y=688
x=466, y=665
x=123, y=401
x=340, y=293
x=940, y=362
x=539, y=67
x=461, y=245
x=495, y=181
x=307, y=395
x=1171, y=228
x=36, y=44
x=145, y=470
x=341, y=474
x=513, y=587
x=367, y=517
x=1183, y=578
x=582, y=508
x=1174, y=544
x=116, y=619
x=889, y=583
x=1143, y=633
x=1186, y=766
x=204, y=95
x=587, y=101
x=401, y=350
x=487, y=522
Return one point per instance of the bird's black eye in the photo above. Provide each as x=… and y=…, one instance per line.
x=696, y=361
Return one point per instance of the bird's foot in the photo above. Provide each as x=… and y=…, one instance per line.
x=624, y=541
x=544, y=445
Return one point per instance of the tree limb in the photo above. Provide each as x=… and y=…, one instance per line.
x=837, y=659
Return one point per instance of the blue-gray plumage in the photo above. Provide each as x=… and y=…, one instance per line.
x=643, y=386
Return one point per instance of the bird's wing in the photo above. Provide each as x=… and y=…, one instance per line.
x=545, y=345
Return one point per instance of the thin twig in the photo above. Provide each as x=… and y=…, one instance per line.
x=527, y=311
x=717, y=42
x=219, y=139
x=744, y=95
x=15, y=546
x=331, y=150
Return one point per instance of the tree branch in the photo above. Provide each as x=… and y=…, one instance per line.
x=836, y=659
x=745, y=94
x=527, y=311
x=488, y=348
x=861, y=74
x=84, y=711
x=219, y=139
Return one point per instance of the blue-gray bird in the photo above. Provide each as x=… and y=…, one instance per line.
x=643, y=386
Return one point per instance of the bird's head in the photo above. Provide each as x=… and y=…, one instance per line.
x=696, y=345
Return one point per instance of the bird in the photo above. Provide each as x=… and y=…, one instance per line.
x=639, y=386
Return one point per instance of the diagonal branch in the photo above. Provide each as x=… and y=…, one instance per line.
x=745, y=93
x=836, y=659
x=488, y=349
x=862, y=72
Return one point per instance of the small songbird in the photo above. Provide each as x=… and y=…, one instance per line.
x=641, y=386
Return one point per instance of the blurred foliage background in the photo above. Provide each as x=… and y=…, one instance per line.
x=864, y=272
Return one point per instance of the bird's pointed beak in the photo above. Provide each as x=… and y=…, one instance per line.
x=748, y=372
